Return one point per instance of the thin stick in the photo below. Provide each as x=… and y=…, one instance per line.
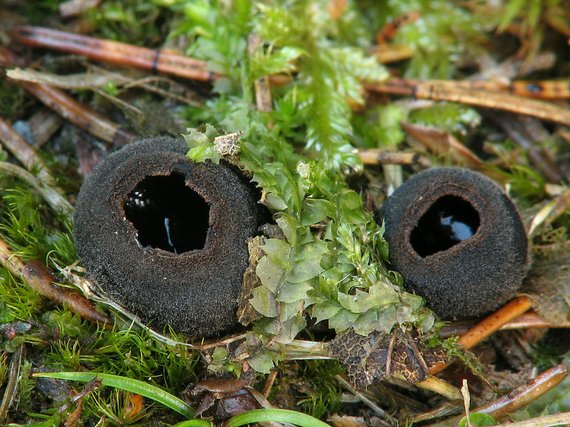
x=24, y=152
x=476, y=97
x=437, y=385
x=518, y=398
x=263, y=100
x=562, y=419
x=495, y=321
x=502, y=101
x=543, y=89
x=78, y=114
x=162, y=60
x=364, y=399
x=522, y=396
x=376, y=156
x=269, y=383
x=488, y=326
x=37, y=276
x=524, y=321
x=13, y=380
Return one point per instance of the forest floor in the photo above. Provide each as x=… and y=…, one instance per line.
x=324, y=107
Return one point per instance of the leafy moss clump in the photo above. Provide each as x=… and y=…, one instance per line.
x=330, y=262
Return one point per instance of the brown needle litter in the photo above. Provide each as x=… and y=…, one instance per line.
x=482, y=98
x=69, y=109
x=161, y=60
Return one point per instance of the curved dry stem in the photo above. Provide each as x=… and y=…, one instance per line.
x=52, y=197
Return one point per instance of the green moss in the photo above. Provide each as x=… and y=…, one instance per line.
x=144, y=23
x=11, y=100
x=322, y=395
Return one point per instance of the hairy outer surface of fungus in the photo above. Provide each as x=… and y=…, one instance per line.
x=457, y=239
x=165, y=237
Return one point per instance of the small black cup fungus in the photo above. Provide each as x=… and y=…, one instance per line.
x=457, y=240
x=167, y=238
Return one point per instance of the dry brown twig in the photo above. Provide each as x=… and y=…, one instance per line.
x=161, y=60
x=377, y=156
x=70, y=109
x=39, y=278
x=166, y=61
x=476, y=97
x=263, y=99
x=518, y=398
x=488, y=326
x=11, y=386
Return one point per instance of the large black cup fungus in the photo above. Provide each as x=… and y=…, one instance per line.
x=457, y=240
x=167, y=238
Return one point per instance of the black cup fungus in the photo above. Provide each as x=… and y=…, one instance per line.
x=457, y=240
x=167, y=238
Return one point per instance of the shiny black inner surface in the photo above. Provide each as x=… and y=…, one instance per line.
x=167, y=214
x=447, y=222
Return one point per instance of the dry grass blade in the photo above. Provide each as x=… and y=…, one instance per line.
x=388, y=53
x=439, y=386
x=71, y=81
x=550, y=212
x=443, y=143
x=22, y=151
x=53, y=198
x=11, y=387
x=562, y=419
x=99, y=78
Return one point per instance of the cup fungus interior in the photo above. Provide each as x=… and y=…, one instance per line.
x=447, y=222
x=168, y=214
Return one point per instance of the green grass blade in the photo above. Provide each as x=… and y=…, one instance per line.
x=275, y=415
x=194, y=423
x=127, y=384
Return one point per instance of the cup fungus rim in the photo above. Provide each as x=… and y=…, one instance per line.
x=195, y=291
x=471, y=264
